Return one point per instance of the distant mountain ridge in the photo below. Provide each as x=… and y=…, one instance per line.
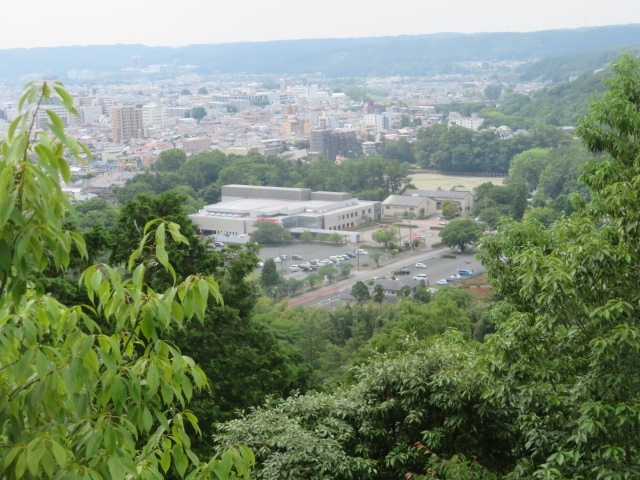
x=408, y=55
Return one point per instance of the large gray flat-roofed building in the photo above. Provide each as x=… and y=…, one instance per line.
x=293, y=208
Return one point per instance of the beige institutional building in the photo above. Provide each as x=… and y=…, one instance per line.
x=425, y=202
x=296, y=209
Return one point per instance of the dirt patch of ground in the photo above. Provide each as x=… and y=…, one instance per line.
x=433, y=181
x=478, y=287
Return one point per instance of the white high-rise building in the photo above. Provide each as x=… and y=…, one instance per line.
x=152, y=114
x=91, y=114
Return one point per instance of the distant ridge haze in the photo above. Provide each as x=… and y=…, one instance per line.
x=407, y=55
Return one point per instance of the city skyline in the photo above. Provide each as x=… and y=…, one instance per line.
x=163, y=23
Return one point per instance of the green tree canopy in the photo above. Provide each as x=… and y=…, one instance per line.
x=460, y=233
x=378, y=294
x=567, y=329
x=450, y=209
x=385, y=235
x=269, y=276
x=270, y=233
x=170, y=160
x=198, y=113
x=360, y=292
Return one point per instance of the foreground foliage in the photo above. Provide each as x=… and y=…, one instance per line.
x=428, y=393
x=89, y=391
x=567, y=349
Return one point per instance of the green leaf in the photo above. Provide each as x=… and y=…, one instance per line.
x=187, y=388
x=147, y=419
x=160, y=234
x=55, y=119
x=35, y=450
x=21, y=464
x=161, y=255
x=42, y=365
x=147, y=326
x=59, y=454
x=165, y=460
x=152, y=379
x=116, y=469
x=109, y=440
x=179, y=459
x=67, y=100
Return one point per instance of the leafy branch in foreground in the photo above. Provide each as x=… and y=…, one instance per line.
x=77, y=402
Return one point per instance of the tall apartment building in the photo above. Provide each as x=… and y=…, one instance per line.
x=91, y=114
x=331, y=143
x=152, y=114
x=126, y=123
x=472, y=123
x=377, y=122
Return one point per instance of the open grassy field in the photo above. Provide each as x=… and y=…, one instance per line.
x=433, y=181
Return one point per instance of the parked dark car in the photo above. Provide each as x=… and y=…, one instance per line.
x=403, y=271
x=296, y=257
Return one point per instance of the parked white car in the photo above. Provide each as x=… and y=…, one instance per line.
x=421, y=265
x=277, y=259
x=421, y=276
x=442, y=281
x=361, y=252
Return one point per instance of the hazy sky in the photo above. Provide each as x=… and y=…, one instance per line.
x=37, y=23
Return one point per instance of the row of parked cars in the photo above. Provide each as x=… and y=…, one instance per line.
x=461, y=272
x=313, y=265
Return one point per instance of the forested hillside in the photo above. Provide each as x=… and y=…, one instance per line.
x=418, y=55
x=561, y=68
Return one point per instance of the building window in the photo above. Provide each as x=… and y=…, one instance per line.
x=388, y=207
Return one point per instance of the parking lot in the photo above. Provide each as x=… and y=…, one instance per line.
x=310, y=251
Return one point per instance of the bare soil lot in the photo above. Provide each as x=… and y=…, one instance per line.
x=433, y=181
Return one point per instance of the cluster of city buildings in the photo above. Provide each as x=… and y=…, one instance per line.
x=127, y=125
